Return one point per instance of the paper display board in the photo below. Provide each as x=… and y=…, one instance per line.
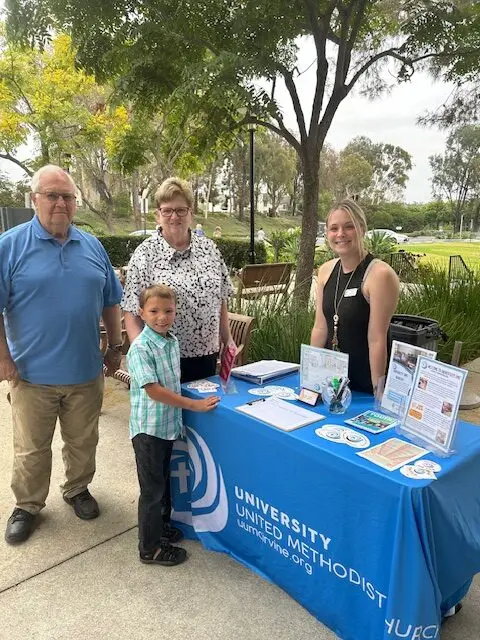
x=316, y=365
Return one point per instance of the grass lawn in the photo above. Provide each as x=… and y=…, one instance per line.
x=231, y=226
x=439, y=252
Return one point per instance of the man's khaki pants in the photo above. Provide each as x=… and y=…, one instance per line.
x=35, y=409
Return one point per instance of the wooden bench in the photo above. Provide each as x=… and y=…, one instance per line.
x=257, y=280
x=240, y=328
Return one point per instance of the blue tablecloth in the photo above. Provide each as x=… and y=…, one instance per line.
x=370, y=553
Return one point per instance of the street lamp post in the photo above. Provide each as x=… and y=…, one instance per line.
x=251, y=130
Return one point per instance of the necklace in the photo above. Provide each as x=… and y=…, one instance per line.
x=336, y=305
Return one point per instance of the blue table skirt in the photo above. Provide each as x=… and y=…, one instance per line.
x=370, y=553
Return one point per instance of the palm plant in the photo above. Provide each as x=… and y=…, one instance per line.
x=379, y=244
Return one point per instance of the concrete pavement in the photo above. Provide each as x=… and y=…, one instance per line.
x=76, y=580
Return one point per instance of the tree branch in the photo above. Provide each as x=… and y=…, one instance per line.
x=281, y=130
x=7, y=156
x=320, y=39
x=297, y=107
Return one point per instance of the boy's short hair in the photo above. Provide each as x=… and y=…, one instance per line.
x=157, y=291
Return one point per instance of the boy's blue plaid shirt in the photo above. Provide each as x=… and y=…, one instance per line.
x=154, y=358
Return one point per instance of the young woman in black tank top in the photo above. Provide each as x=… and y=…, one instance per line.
x=356, y=298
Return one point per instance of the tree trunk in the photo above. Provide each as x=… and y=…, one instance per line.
x=195, y=196
x=135, y=193
x=303, y=278
x=209, y=192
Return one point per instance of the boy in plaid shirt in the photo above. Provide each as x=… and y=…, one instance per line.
x=156, y=421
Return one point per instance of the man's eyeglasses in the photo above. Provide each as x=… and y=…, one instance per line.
x=180, y=211
x=53, y=196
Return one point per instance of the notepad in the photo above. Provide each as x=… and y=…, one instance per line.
x=279, y=413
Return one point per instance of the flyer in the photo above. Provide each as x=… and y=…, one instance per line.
x=372, y=421
x=401, y=370
x=226, y=363
x=393, y=454
x=434, y=401
x=316, y=365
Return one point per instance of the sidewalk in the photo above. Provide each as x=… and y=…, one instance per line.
x=76, y=580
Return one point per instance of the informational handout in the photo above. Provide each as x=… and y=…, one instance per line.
x=279, y=413
x=401, y=370
x=372, y=421
x=316, y=365
x=434, y=402
x=393, y=454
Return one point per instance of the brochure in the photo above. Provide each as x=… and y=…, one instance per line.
x=372, y=421
x=403, y=361
x=316, y=365
x=226, y=363
x=393, y=454
x=434, y=402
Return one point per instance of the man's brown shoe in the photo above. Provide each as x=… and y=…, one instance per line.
x=84, y=505
x=19, y=526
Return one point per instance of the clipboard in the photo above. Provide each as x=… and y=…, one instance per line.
x=279, y=413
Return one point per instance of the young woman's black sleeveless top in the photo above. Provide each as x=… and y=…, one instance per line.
x=354, y=314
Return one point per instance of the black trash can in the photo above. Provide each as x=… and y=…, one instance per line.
x=416, y=330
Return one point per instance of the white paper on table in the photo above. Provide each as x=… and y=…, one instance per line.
x=401, y=370
x=279, y=413
x=317, y=364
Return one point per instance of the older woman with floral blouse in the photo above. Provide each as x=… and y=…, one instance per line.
x=193, y=266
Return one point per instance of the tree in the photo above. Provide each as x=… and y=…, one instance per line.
x=390, y=166
x=354, y=175
x=456, y=174
x=275, y=164
x=45, y=99
x=12, y=194
x=222, y=46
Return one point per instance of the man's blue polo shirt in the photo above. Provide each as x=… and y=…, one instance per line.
x=52, y=296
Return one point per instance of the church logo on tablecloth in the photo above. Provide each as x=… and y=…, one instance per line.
x=200, y=497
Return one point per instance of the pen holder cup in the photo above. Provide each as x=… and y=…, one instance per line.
x=336, y=399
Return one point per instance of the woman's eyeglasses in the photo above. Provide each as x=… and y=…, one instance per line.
x=180, y=211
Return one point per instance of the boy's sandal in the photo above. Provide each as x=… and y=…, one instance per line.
x=166, y=555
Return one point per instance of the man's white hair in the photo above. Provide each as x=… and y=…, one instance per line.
x=48, y=168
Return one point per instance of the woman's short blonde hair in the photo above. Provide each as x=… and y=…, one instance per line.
x=156, y=291
x=357, y=215
x=173, y=188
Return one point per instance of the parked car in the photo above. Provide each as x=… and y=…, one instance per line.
x=142, y=232
x=398, y=238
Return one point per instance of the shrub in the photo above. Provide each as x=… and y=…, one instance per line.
x=120, y=248
x=236, y=253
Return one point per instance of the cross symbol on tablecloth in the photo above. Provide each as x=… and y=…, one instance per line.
x=182, y=472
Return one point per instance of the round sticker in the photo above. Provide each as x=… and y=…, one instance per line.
x=427, y=465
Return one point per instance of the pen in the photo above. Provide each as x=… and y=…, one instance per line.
x=254, y=401
x=342, y=388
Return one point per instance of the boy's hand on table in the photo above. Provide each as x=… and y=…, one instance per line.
x=207, y=404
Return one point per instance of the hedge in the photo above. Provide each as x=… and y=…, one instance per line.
x=236, y=253
x=120, y=248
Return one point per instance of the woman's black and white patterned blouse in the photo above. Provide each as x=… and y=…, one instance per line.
x=200, y=279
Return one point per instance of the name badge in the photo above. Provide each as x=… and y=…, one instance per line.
x=349, y=293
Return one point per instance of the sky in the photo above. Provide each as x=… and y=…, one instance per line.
x=392, y=118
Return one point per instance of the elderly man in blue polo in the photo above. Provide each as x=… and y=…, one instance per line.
x=56, y=282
